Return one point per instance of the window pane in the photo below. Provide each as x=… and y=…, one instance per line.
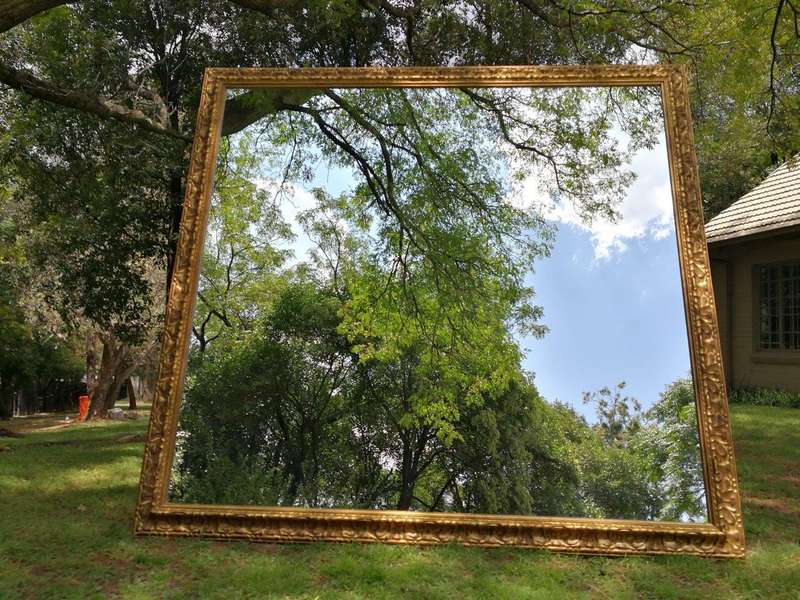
x=790, y=307
x=769, y=314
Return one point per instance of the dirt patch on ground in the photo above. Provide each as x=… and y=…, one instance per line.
x=791, y=478
x=56, y=421
x=132, y=438
x=8, y=433
x=41, y=570
x=788, y=475
x=780, y=505
x=267, y=548
x=42, y=422
x=100, y=441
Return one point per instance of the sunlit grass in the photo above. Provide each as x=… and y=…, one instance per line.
x=68, y=494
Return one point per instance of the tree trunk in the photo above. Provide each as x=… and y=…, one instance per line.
x=176, y=195
x=116, y=388
x=6, y=399
x=131, y=394
x=406, y=476
x=98, y=400
x=104, y=388
x=150, y=387
x=147, y=386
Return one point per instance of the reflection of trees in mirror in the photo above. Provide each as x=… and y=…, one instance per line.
x=653, y=455
x=241, y=263
x=290, y=416
x=384, y=371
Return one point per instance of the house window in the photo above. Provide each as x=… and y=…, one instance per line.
x=779, y=307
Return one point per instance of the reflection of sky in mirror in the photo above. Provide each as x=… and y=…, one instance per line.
x=610, y=291
x=612, y=297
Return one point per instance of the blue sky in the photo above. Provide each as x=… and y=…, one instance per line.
x=611, y=320
x=610, y=291
x=612, y=298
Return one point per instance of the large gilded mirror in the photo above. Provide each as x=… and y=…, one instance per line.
x=444, y=305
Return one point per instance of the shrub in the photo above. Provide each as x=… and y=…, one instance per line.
x=764, y=397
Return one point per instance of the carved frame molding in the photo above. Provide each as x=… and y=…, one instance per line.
x=722, y=536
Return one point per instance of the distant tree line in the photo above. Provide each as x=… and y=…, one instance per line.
x=98, y=101
x=290, y=416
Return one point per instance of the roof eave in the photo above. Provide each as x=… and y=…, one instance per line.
x=767, y=232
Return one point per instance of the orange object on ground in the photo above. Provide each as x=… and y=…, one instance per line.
x=83, y=407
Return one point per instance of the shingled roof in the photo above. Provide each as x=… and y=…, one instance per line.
x=772, y=205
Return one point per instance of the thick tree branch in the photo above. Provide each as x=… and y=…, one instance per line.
x=14, y=12
x=245, y=109
x=266, y=7
x=773, y=43
x=25, y=81
x=392, y=9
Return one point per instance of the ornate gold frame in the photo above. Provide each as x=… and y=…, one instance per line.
x=722, y=536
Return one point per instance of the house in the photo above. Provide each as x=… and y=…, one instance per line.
x=754, y=246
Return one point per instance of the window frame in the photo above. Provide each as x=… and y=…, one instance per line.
x=758, y=298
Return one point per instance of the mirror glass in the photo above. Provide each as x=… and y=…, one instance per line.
x=435, y=299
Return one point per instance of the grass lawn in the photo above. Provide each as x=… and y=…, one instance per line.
x=67, y=495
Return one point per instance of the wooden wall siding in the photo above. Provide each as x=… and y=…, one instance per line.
x=733, y=272
x=720, y=281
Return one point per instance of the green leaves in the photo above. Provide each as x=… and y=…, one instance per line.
x=413, y=294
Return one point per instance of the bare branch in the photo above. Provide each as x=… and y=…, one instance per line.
x=773, y=42
x=565, y=17
x=25, y=81
x=392, y=9
x=267, y=7
x=385, y=154
x=487, y=103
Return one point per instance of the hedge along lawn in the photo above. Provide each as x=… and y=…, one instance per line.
x=68, y=493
